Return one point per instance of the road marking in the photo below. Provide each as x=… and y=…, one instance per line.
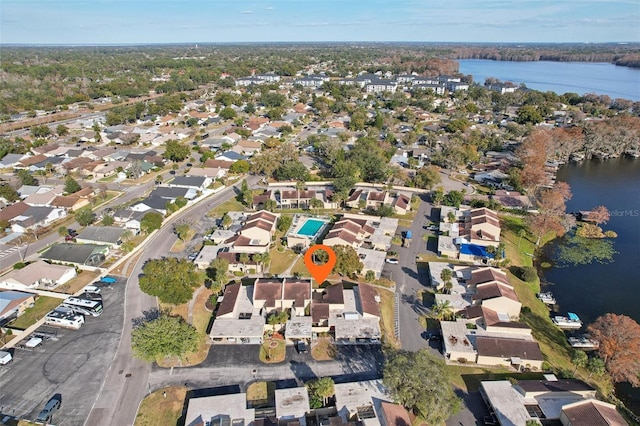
x=8, y=252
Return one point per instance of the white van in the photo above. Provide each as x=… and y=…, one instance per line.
x=5, y=358
x=92, y=289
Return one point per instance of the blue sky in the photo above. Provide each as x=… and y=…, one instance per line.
x=185, y=21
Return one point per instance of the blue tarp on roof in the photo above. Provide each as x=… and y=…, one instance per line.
x=475, y=250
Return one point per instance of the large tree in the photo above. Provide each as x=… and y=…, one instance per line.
x=170, y=279
x=85, y=216
x=347, y=261
x=151, y=221
x=217, y=273
x=175, y=151
x=619, y=338
x=420, y=382
x=71, y=185
x=427, y=177
x=162, y=337
x=551, y=210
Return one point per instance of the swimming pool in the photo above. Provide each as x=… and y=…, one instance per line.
x=310, y=227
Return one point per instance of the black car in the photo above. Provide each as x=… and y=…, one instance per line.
x=301, y=347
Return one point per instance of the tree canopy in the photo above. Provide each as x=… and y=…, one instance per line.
x=619, y=338
x=151, y=221
x=162, y=337
x=420, y=382
x=172, y=280
x=71, y=185
x=347, y=261
x=84, y=216
x=175, y=151
x=319, y=391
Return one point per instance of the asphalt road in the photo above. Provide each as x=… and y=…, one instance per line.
x=409, y=280
x=127, y=381
x=239, y=365
x=73, y=365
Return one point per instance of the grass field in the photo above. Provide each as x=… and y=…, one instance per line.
x=323, y=350
x=387, y=310
x=160, y=410
x=79, y=282
x=280, y=261
x=261, y=394
x=273, y=351
x=31, y=315
x=230, y=205
x=300, y=268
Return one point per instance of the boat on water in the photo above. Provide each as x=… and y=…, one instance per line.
x=547, y=298
x=570, y=322
x=583, y=342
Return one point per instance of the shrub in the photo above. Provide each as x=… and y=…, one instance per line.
x=19, y=265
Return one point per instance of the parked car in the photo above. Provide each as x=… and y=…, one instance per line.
x=69, y=238
x=5, y=358
x=92, y=289
x=72, y=232
x=33, y=342
x=393, y=261
x=46, y=414
x=192, y=256
x=301, y=347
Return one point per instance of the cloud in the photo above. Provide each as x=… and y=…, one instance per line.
x=269, y=8
x=247, y=12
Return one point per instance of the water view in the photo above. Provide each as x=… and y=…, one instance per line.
x=596, y=289
x=560, y=77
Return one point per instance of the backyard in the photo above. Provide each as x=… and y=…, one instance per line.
x=30, y=316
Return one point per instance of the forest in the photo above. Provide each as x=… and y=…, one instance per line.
x=51, y=78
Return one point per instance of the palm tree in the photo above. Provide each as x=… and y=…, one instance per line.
x=446, y=275
x=442, y=310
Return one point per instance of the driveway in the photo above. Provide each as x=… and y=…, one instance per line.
x=73, y=363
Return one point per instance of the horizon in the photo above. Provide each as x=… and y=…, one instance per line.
x=145, y=22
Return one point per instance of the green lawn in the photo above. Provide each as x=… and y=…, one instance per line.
x=469, y=378
x=280, y=261
x=300, y=268
x=163, y=407
x=30, y=316
x=230, y=205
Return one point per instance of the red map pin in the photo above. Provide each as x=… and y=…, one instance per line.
x=320, y=272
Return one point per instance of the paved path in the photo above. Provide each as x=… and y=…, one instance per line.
x=287, y=272
x=192, y=303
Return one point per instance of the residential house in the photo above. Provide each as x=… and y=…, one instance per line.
x=170, y=193
x=106, y=235
x=369, y=403
x=591, y=412
x=219, y=410
x=235, y=262
x=10, y=160
x=402, y=204
x=237, y=319
x=13, y=304
x=70, y=202
x=359, y=230
x=548, y=400
x=481, y=226
x=198, y=183
x=131, y=219
x=247, y=147
x=259, y=229
x=44, y=196
x=230, y=156
x=38, y=273
x=512, y=199
x=208, y=172
x=295, y=199
x=292, y=405
x=35, y=217
x=79, y=254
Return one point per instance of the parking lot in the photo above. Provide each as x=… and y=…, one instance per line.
x=72, y=363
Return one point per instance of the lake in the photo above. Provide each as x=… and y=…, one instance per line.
x=596, y=289
x=560, y=77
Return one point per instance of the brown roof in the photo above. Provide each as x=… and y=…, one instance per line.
x=13, y=211
x=249, y=144
x=234, y=258
x=368, y=299
x=472, y=312
x=62, y=201
x=484, y=275
x=294, y=195
x=257, y=224
x=402, y=201
x=76, y=162
x=483, y=211
x=260, y=199
x=319, y=312
x=239, y=240
x=489, y=291
x=376, y=196
x=355, y=195
x=343, y=235
x=395, y=414
x=269, y=290
x=220, y=164
x=348, y=226
x=264, y=215
x=298, y=291
x=507, y=348
x=333, y=294
x=229, y=299
x=594, y=413
x=33, y=160
x=84, y=192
